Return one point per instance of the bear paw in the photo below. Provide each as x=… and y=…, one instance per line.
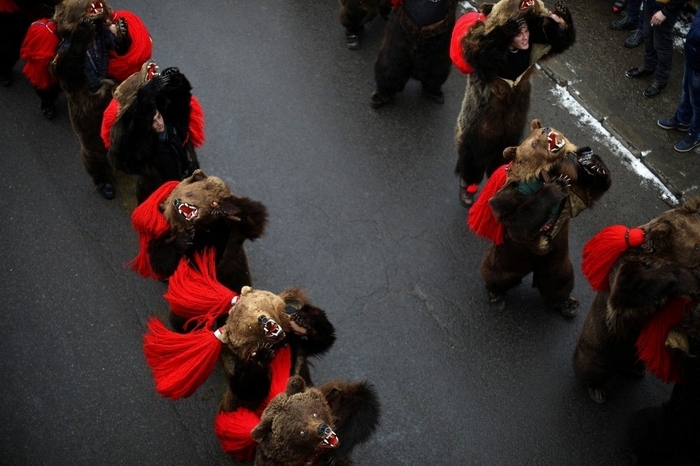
x=597, y=394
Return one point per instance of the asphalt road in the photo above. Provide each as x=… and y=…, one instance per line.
x=364, y=215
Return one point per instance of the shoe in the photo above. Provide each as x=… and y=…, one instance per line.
x=654, y=89
x=619, y=5
x=624, y=24
x=106, y=190
x=467, y=193
x=49, y=112
x=497, y=301
x=636, y=72
x=672, y=123
x=438, y=98
x=635, y=39
x=377, y=100
x=567, y=307
x=687, y=144
x=352, y=41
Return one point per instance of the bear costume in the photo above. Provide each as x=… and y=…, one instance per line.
x=306, y=425
x=136, y=146
x=199, y=212
x=525, y=210
x=497, y=96
x=668, y=434
x=354, y=14
x=636, y=273
x=416, y=45
x=91, y=36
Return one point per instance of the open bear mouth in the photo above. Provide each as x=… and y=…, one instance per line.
x=556, y=140
x=271, y=328
x=328, y=438
x=525, y=4
x=151, y=71
x=95, y=9
x=188, y=211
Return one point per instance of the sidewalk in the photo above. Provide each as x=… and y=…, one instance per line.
x=593, y=71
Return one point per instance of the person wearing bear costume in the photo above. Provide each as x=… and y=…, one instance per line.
x=307, y=425
x=667, y=435
x=91, y=35
x=199, y=212
x=526, y=209
x=636, y=273
x=354, y=14
x=416, y=45
x=502, y=52
x=152, y=126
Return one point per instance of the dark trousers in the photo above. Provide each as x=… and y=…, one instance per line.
x=658, y=44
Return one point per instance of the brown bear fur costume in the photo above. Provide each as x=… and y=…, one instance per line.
x=410, y=50
x=258, y=324
x=354, y=14
x=668, y=434
x=665, y=265
x=549, y=182
x=494, y=109
x=321, y=425
x=80, y=66
x=199, y=212
x=134, y=146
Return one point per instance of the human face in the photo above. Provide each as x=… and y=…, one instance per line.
x=158, y=124
x=522, y=40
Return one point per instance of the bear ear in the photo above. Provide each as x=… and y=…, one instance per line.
x=198, y=175
x=535, y=124
x=295, y=384
x=262, y=431
x=692, y=205
x=509, y=153
x=657, y=237
x=245, y=290
x=486, y=8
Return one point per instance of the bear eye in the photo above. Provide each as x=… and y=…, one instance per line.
x=534, y=143
x=302, y=433
x=697, y=248
x=316, y=415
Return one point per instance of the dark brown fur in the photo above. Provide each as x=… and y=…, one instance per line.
x=288, y=429
x=354, y=14
x=643, y=279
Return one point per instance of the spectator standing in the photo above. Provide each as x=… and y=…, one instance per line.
x=660, y=17
x=687, y=116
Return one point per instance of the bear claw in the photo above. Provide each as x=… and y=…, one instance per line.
x=597, y=394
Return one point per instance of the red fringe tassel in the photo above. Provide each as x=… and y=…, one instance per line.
x=121, y=67
x=601, y=252
x=195, y=294
x=233, y=428
x=651, y=347
x=196, y=128
x=480, y=217
x=108, y=119
x=38, y=49
x=461, y=29
x=150, y=223
x=180, y=362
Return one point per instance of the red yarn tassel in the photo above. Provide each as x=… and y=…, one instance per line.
x=196, y=128
x=121, y=67
x=461, y=29
x=195, y=294
x=150, y=223
x=108, y=119
x=601, y=252
x=480, y=217
x=180, y=362
x=651, y=347
x=233, y=428
x=38, y=49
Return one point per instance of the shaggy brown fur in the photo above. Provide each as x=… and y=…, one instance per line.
x=550, y=182
x=203, y=212
x=316, y=425
x=643, y=279
x=354, y=14
x=494, y=110
x=259, y=323
x=79, y=24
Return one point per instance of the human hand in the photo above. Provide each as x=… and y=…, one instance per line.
x=658, y=18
